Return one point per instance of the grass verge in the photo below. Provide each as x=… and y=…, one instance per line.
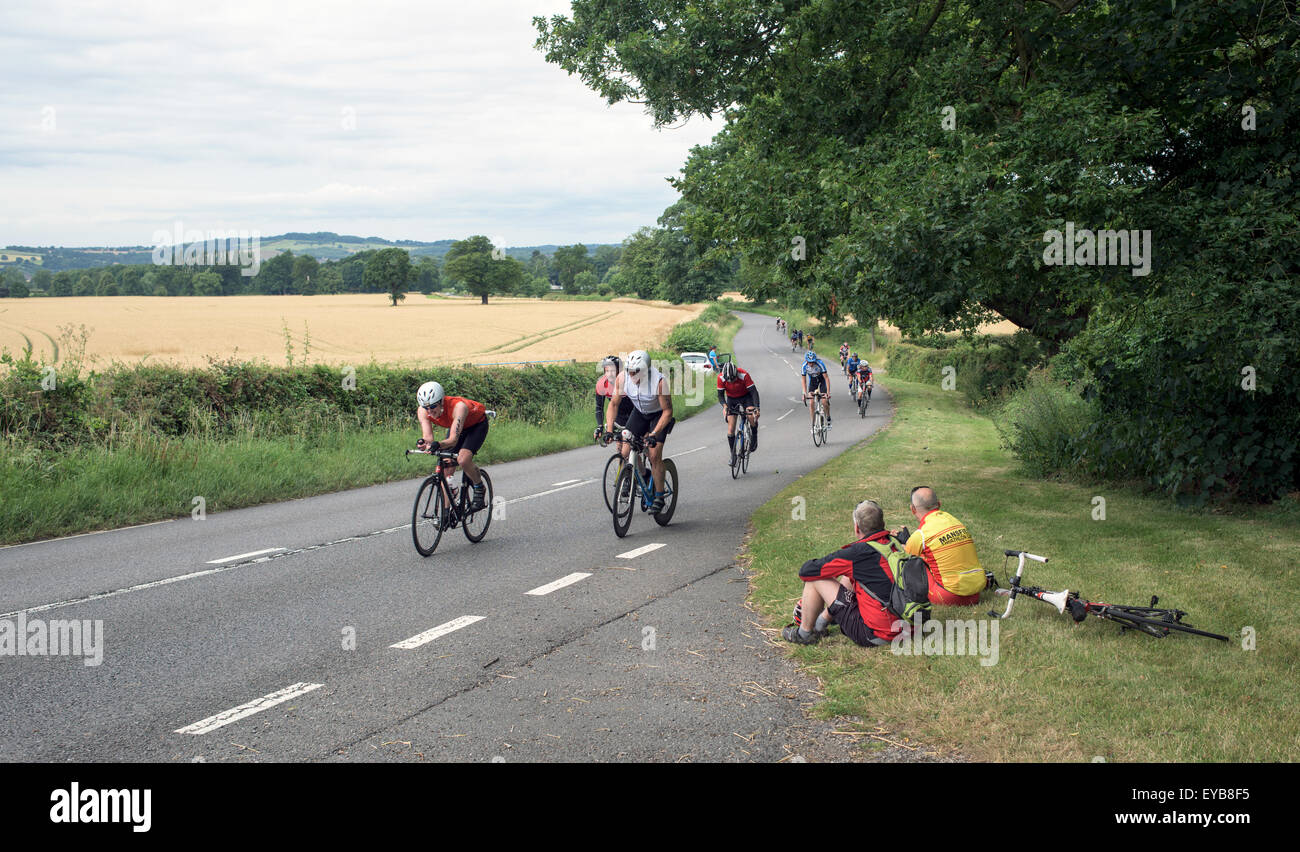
x=153, y=477
x=1058, y=692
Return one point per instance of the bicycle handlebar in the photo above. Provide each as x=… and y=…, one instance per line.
x=1026, y=554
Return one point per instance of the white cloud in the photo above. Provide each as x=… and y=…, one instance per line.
x=405, y=120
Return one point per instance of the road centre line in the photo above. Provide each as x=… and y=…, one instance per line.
x=551, y=491
x=783, y=416
x=566, y=482
x=433, y=633
x=257, y=705
x=240, y=556
x=558, y=584
x=641, y=551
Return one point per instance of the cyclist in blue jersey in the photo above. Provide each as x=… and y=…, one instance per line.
x=813, y=377
x=851, y=369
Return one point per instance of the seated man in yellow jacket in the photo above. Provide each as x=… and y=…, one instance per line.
x=956, y=578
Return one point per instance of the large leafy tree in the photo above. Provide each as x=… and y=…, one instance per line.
x=389, y=270
x=471, y=264
x=907, y=162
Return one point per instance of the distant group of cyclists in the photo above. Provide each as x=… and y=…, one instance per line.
x=634, y=397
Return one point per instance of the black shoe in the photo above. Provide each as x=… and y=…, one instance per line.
x=791, y=634
x=477, y=503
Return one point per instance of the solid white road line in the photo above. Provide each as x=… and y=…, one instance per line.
x=640, y=551
x=688, y=452
x=558, y=584
x=441, y=630
x=240, y=556
x=783, y=416
x=256, y=705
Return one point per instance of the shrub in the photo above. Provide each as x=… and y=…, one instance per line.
x=1042, y=424
x=690, y=336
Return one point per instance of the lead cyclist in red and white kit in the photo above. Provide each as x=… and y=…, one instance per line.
x=651, y=417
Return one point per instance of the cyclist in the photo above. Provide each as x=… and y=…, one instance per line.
x=605, y=392
x=864, y=378
x=810, y=341
x=467, y=426
x=798, y=333
x=736, y=387
x=844, y=357
x=651, y=417
x=851, y=370
x=794, y=337
x=813, y=378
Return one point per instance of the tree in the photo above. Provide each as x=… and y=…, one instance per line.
x=585, y=282
x=63, y=283
x=568, y=262
x=389, y=269
x=43, y=280
x=428, y=276
x=84, y=286
x=470, y=264
x=910, y=162
x=305, y=270
x=207, y=284
x=331, y=279
x=276, y=275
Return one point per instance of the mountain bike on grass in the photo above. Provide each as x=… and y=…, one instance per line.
x=1151, y=620
x=635, y=487
x=442, y=504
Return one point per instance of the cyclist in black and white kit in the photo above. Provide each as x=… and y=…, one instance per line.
x=651, y=417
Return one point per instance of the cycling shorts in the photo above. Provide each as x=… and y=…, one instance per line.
x=640, y=424
x=818, y=382
x=745, y=401
x=844, y=612
x=623, y=413
x=471, y=438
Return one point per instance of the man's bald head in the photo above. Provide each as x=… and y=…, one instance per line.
x=924, y=499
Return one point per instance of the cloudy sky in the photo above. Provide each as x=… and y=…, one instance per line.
x=418, y=119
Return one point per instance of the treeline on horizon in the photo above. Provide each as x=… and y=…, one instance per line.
x=654, y=263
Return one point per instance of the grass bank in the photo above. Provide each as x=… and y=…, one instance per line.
x=147, y=476
x=1058, y=692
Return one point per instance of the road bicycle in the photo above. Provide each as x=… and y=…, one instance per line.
x=1150, y=620
x=744, y=439
x=635, y=486
x=794, y=344
x=819, y=425
x=864, y=398
x=441, y=505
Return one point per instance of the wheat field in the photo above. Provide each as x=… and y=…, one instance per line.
x=344, y=329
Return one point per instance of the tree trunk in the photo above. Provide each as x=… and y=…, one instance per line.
x=485, y=298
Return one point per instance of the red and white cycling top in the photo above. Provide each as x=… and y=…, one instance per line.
x=740, y=387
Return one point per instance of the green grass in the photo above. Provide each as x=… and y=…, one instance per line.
x=1059, y=692
x=147, y=477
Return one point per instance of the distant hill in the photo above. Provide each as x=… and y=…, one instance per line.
x=322, y=245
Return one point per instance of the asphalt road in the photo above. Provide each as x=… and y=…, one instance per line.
x=268, y=633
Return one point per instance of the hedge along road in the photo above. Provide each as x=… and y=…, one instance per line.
x=311, y=630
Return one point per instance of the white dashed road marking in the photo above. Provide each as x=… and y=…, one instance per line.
x=441, y=630
x=783, y=416
x=566, y=482
x=240, y=556
x=640, y=551
x=558, y=584
x=255, y=706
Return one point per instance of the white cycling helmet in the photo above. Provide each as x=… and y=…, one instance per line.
x=638, y=360
x=429, y=394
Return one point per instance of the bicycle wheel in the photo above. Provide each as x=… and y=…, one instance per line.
x=821, y=422
x=612, y=468
x=749, y=442
x=476, y=524
x=819, y=426
x=427, y=517
x=862, y=406
x=737, y=453
x=670, y=501
x=626, y=494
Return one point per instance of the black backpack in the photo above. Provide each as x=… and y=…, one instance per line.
x=909, y=597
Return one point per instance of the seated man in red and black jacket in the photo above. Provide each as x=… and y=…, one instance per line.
x=838, y=587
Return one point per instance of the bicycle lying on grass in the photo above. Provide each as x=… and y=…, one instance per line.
x=440, y=505
x=1150, y=620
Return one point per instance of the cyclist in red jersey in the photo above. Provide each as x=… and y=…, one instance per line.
x=736, y=387
x=466, y=423
x=605, y=394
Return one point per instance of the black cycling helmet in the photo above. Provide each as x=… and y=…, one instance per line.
x=612, y=360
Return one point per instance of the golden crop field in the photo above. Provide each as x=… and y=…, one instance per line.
x=344, y=329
